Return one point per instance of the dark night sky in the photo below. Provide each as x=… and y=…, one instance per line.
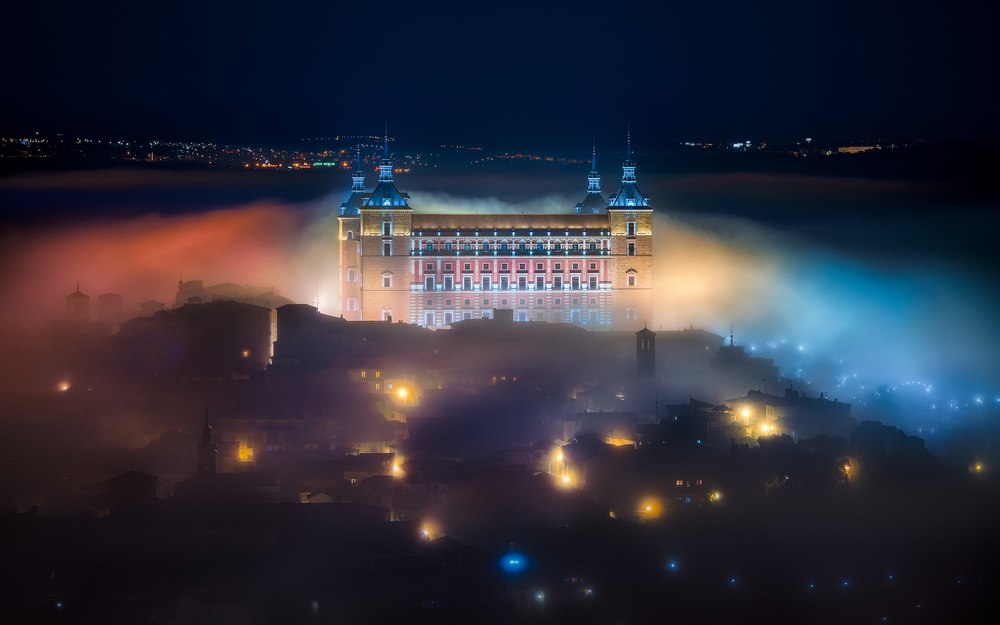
x=502, y=72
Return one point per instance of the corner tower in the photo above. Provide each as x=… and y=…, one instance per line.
x=385, y=248
x=630, y=218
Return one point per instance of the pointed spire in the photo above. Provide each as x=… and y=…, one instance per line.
x=357, y=164
x=628, y=151
x=593, y=160
x=731, y=341
x=386, y=140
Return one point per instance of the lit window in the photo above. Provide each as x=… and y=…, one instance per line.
x=631, y=249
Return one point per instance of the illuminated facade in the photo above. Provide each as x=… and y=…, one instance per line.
x=592, y=267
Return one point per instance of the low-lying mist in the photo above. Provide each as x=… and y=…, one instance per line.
x=826, y=316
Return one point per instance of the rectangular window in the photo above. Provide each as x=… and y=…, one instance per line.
x=352, y=304
x=538, y=247
x=448, y=283
x=387, y=228
x=575, y=284
x=592, y=246
x=557, y=283
x=486, y=283
x=448, y=317
x=486, y=266
x=467, y=283
x=486, y=301
x=447, y=247
x=521, y=247
x=539, y=301
x=539, y=283
x=576, y=247
x=467, y=302
x=593, y=283
x=429, y=319
x=522, y=266
x=631, y=249
x=503, y=247
x=558, y=267
x=487, y=314
x=430, y=266
x=468, y=247
x=467, y=267
x=593, y=266
x=557, y=301
x=631, y=228
x=540, y=267
x=631, y=280
x=558, y=247
x=447, y=266
x=504, y=283
x=429, y=247
x=429, y=283
x=503, y=266
x=387, y=249
x=576, y=266
x=352, y=275
x=386, y=282
x=504, y=301
x=522, y=282
x=522, y=301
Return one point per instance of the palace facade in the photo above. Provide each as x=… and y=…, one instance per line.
x=591, y=266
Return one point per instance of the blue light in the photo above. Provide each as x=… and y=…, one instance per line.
x=513, y=563
x=672, y=565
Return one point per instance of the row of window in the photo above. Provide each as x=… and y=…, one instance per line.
x=511, y=247
x=591, y=317
x=387, y=248
x=521, y=301
x=557, y=316
x=503, y=266
x=504, y=283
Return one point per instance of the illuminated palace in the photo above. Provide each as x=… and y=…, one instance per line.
x=591, y=266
